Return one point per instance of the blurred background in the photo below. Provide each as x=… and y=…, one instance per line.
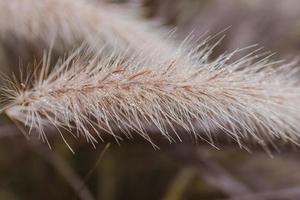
x=134, y=170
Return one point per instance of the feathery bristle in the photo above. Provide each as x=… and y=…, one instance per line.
x=70, y=22
x=185, y=93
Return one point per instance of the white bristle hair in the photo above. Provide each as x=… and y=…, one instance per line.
x=185, y=93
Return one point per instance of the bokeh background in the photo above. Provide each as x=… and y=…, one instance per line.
x=133, y=169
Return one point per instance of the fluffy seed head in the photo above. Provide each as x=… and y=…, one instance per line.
x=183, y=93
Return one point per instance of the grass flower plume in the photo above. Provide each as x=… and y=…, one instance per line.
x=184, y=93
x=141, y=83
x=71, y=22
